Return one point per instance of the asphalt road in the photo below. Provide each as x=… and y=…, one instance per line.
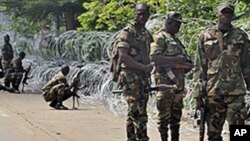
x=27, y=117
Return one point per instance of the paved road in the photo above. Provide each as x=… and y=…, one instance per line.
x=26, y=117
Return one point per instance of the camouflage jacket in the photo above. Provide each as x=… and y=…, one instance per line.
x=223, y=61
x=168, y=45
x=57, y=79
x=137, y=41
x=17, y=65
x=7, y=52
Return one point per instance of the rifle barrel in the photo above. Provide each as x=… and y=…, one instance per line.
x=156, y=88
x=117, y=91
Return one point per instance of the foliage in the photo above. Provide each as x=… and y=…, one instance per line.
x=29, y=15
x=112, y=15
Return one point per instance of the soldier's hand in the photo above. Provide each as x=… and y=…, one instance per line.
x=148, y=68
x=180, y=59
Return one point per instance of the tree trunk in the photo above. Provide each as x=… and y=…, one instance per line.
x=58, y=23
x=70, y=20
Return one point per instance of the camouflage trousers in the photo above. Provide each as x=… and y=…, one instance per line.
x=137, y=118
x=221, y=108
x=169, y=106
x=13, y=78
x=6, y=64
x=58, y=93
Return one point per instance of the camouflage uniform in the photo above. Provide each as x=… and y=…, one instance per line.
x=224, y=62
x=18, y=72
x=56, y=89
x=134, y=81
x=7, y=55
x=169, y=102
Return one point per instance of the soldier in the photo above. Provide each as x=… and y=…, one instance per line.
x=14, y=73
x=58, y=90
x=224, y=67
x=7, y=53
x=168, y=48
x=18, y=70
x=132, y=45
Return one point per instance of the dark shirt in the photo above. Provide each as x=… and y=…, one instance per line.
x=7, y=52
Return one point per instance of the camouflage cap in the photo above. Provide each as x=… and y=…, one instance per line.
x=175, y=16
x=225, y=5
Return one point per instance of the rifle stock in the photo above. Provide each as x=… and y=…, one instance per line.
x=75, y=98
x=26, y=77
x=76, y=88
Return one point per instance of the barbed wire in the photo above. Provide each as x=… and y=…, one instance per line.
x=89, y=51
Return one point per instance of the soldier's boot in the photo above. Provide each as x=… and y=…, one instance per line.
x=2, y=87
x=53, y=103
x=7, y=83
x=142, y=136
x=15, y=86
x=60, y=106
x=164, y=134
x=59, y=100
x=175, y=132
x=130, y=131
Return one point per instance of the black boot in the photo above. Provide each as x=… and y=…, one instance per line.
x=175, y=132
x=130, y=130
x=53, y=104
x=164, y=134
x=60, y=106
x=7, y=83
x=142, y=134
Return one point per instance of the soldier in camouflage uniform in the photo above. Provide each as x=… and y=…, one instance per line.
x=224, y=59
x=167, y=48
x=14, y=75
x=57, y=89
x=7, y=53
x=133, y=44
x=19, y=71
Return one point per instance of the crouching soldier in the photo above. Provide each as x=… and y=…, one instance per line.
x=58, y=90
x=14, y=74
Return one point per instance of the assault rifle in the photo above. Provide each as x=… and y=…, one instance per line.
x=26, y=77
x=202, y=120
x=203, y=111
x=150, y=89
x=187, y=66
x=76, y=87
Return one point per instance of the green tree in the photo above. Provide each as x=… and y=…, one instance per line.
x=35, y=12
x=113, y=14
